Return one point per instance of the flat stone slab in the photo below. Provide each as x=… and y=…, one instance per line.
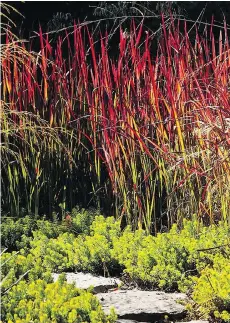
x=100, y=284
x=143, y=306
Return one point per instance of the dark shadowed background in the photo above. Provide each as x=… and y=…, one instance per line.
x=52, y=13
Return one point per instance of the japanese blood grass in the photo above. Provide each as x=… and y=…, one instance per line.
x=26, y=138
x=155, y=128
x=24, y=146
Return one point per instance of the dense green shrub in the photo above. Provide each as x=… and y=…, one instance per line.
x=85, y=253
x=81, y=220
x=16, y=233
x=16, y=266
x=12, y=231
x=159, y=260
x=56, y=254
x=42, y=302
x=108, y=227
x=95, y=250
x=51, y=229
x=212, y=289
x=169, y=259
x=166, y=261
x=66, y=252
x=126, y=250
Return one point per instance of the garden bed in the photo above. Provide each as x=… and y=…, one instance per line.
x=193, y=259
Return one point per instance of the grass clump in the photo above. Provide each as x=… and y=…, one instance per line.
x=139, y=136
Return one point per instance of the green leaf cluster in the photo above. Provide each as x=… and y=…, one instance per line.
x=17, y=266
x=192, y=258
x=66, y=252
x=82, y=253
x=16, y=233
x=59, y=302
x=212, y=289
x=169, y=260
x=81, y=220
x=13, y=232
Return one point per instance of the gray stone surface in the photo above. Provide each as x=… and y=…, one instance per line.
x=143, y=306
x=100, y=284
x=132, y=306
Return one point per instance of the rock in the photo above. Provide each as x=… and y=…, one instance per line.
x=143, y=306
x=199, y=321
x=100, y=284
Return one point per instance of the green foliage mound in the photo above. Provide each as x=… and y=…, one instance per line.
x=66, y=252
x=169, y=260
x=81, y=220
x=12, y=232
x=192, y=258
x=42, y=302
x=82, y=253
x=15, y=267
x=16, y=233
x=212, y=289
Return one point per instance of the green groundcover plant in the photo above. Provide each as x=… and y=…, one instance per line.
x=212, y=289
x=42, y=302
x=193, y=258
x=16, y=233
